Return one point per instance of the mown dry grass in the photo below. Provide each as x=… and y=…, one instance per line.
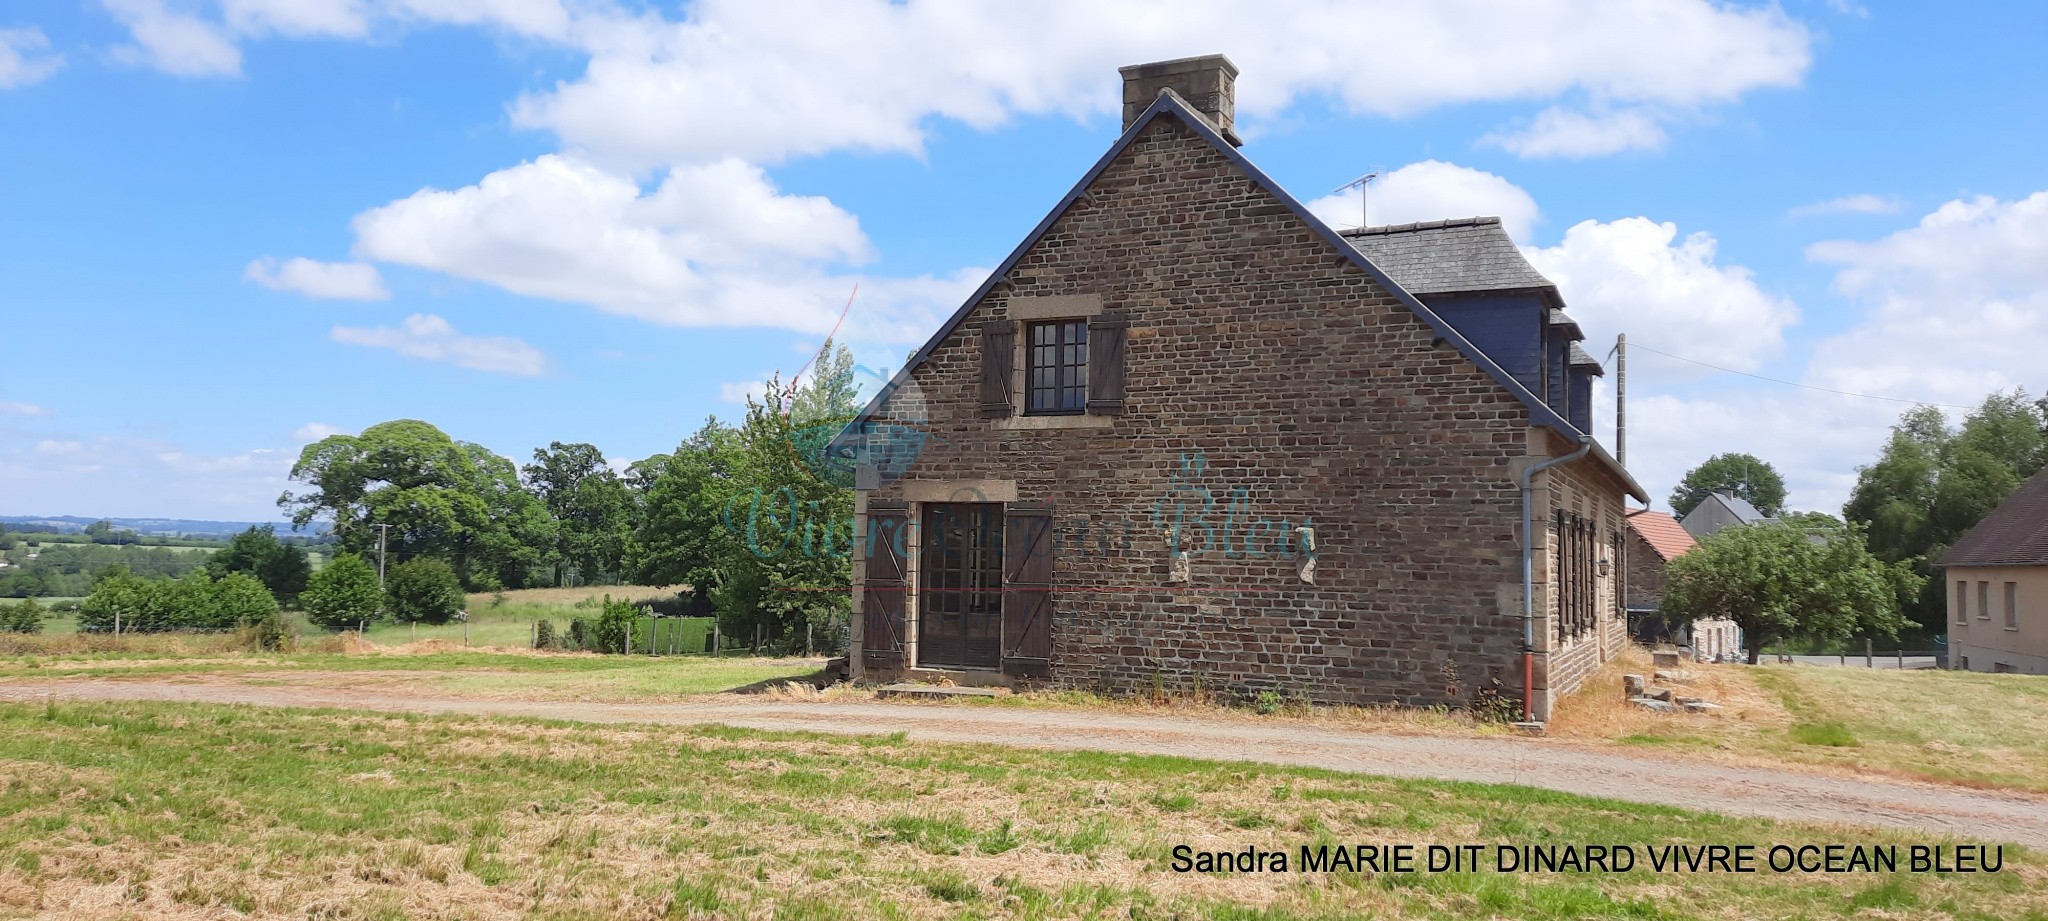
x=1965, y=728
x=190, y=811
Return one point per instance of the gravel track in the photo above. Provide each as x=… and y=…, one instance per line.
x=1692, y=784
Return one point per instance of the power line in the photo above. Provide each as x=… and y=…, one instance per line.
x=1867, y=396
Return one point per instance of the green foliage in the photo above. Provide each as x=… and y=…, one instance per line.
x=269, y=633
x=104, y=532
x=423, y=590
x=1750, y=478
x=440, y=497
x=1932, y=483
x=238, y=598
x=282, y=568
x=590, y=507
x=69, y=570
x=544, y=635
x=343, y=593
x=1773, y=582
x=24, y=616
x=614, y=628
x=194, y=602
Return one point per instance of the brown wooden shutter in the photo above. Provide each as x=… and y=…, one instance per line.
x=1106, y=363
x=885, y=593
x=998, y=366
x=1027, y=591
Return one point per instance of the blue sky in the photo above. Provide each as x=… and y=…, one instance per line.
x=230, y=227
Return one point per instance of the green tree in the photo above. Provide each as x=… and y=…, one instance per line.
x=679, y=539
x=1931, y=483
x=440, y=497
x=590, y=507
x=1775, y=583
x=1750, y=478
x=282, y=568
x=343, y=594
x=240, y=599
x=423, y=590
x=24, y=616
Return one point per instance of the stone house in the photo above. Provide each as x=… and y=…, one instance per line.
x=1998, y=586
x=1654, y=540
x=1188, y=436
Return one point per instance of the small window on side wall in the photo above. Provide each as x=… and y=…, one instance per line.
x=1056, y=368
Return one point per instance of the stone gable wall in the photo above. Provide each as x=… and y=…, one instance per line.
x=1271, y=386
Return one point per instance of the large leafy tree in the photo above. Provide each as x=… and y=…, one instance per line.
x=1749, y=477
x=1775, y=582
x=440, y=497
x=343, y=593
x=281, y=567
x=678, y=539
x=590, y=507
x=1932, y=483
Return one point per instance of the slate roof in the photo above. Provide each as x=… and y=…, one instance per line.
x=1662, y=532
x=1559, y=318
x=1442, y=257
x=1743, y=511
x=2014, y=534
x=1580, y=356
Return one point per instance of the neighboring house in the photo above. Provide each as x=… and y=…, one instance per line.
x=1998, y=586
x=1655, y=539
x=1720, y=509
x=1187, y=436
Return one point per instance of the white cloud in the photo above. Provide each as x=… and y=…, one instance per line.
x=1848, y=204
x=431, y=338
x=174, y=41
x=1432, y=190
x=1559, y=132
x=25, y=57
x=1953, y=308
x=353, y=281
x=314, y=431
x=21, y=409
x=711, y=245
x=142, y=477
x=1634, y=275
x=742, y=391
x=736, y=79
x=297, y=18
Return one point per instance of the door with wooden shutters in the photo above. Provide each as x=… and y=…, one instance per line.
x=1027, y=591
x=998, y=366
x=886, y=588
x=1106, y=363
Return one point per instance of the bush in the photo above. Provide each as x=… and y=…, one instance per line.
x=582, y=635
x=236, y=600
x=615, y=625
x=342, y=594
x=25, y=617
x=544, y=636
x=424, y=590
x=269, y=633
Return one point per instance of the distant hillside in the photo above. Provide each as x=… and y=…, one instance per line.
x=151, y=527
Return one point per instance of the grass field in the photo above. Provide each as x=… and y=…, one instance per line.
x=1967, y=728
x=163, y=810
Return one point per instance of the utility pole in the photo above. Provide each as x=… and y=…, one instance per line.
x=1621, y=400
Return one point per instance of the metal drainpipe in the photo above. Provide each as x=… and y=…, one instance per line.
x=1529, y=577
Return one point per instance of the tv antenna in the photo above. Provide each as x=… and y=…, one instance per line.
x=1360, y=184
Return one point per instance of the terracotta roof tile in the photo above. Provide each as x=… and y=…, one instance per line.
x=1662, y=532
x=2014, y=534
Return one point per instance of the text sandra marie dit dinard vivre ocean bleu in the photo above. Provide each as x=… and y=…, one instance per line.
x=1594, y=858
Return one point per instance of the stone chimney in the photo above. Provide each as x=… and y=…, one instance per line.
x=1208, y=83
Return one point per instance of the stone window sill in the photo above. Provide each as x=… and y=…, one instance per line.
x=1039, y=423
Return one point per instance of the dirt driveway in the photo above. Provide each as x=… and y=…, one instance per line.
x=1691, y=784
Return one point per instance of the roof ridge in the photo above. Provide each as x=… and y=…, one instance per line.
x=1477, y=221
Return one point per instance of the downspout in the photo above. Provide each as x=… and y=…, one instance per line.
x=1529, y=574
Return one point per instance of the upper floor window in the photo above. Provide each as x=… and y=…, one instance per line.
x=1962, y=601
x=2012, y=605
x=1056, y=356
x=1984, y=600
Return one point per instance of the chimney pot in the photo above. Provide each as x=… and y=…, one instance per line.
x=1208, y=84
